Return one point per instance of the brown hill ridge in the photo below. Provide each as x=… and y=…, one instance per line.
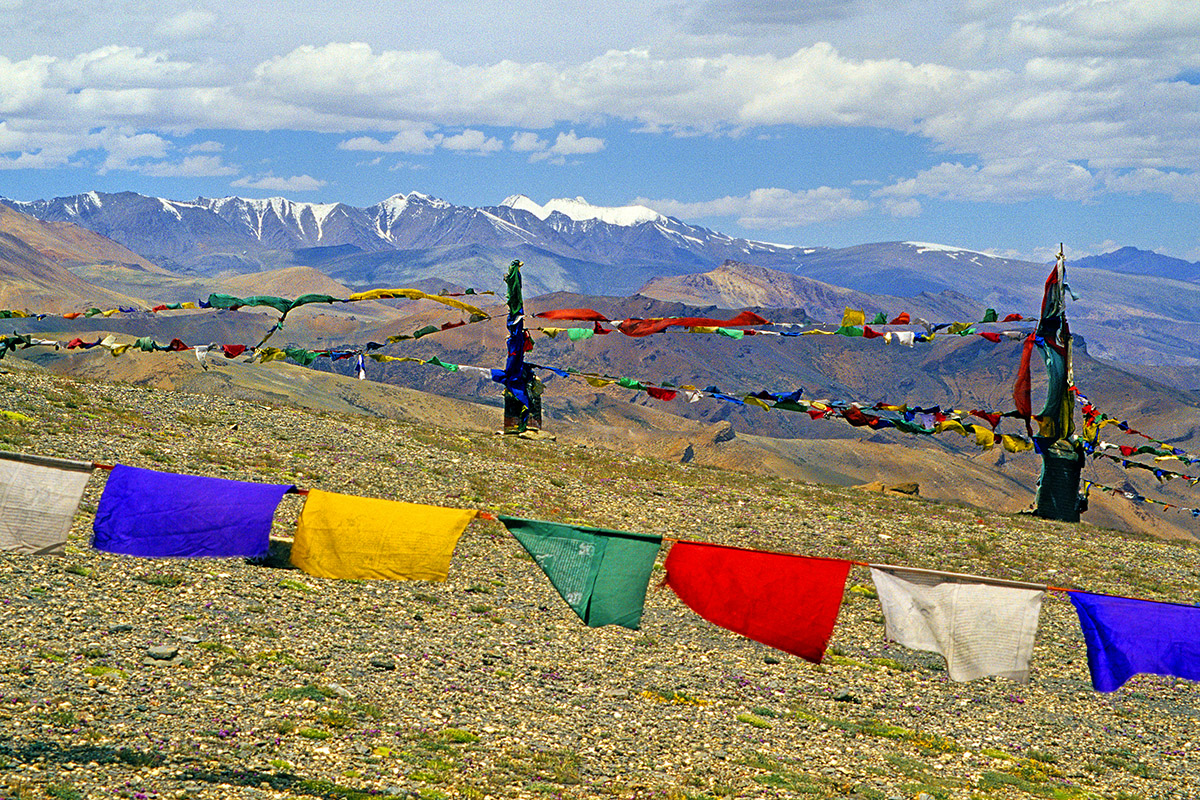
x=34, y=257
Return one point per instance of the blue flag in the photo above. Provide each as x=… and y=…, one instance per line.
x=1126, y=636
x=161, y=514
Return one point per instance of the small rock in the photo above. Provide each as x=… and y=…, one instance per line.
x=122, y=628
x=383, y=663
x=770, y=659
x=845, y=696
x=162, y=652
x=342, y=691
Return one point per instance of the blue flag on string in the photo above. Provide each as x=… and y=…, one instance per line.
x=161, y=514
x=1125, y=637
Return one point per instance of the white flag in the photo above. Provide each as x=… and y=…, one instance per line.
x=38, y=503
x=980, y=627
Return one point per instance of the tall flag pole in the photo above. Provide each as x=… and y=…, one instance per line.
x=522, y=390
x=1062, y=455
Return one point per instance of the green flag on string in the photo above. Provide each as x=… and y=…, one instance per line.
x=601, y=574
x=880, y=319
x=990, y=315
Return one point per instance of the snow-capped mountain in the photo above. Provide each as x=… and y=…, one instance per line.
x=570, y=244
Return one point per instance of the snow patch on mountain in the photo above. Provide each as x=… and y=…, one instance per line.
x=581, y=210
x=931, y=247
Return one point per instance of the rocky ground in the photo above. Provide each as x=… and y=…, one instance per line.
x=124, y=677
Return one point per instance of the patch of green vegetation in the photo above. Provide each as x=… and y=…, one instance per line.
x=295, y=585
x=310, y=691
x=100, y=670
x=79, y=569
x=458, y=735
x=753, y=720
x=314, y=733
x=890, y=663
x=334, y=718
x=166, y=579
x=64, y=792
x=217, y=647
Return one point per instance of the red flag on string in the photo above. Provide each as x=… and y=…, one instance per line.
x=785, y=601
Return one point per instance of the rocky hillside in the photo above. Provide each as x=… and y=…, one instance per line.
x=220, y=679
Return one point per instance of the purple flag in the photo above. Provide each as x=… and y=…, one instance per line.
x=158, y=514
x=1125, y=637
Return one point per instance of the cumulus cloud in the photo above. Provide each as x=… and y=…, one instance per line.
x=1039, y=122
x=1183, y=187
x=190, y=167
x=473, y=141
x=1004, y=181
x=190, y=24
x=771, y=209
x=567, y=144
x=271, y=183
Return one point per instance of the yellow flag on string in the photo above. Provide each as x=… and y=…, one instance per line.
x=984, y=437
x=950, y=425
x=342, y=536
x=754, y=401
x=417, y=294
x=599, y=383
x=853, y=317
x=1015, y=444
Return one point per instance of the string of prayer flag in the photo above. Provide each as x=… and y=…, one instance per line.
x=1126, y=636
x=154, y=514
x=601, y=574
x=38, y=500
x=785, y=601
x=360, y=538
x=980, y=626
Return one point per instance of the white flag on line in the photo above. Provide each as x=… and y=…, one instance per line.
x=981, y=627
x=38, y=500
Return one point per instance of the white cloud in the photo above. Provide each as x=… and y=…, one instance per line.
x=1005, y=181
x=1108, y=27
x=528, y=142
x=568, y=144
x=473, y=141
x=411, y=138
x=1183, y=187
x=771, y=209
x=186, y=25
x=271, y=183
x=190, y=167
x=208, y=146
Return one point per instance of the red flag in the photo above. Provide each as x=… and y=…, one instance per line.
x=645, y=327
x=661, y=394
x=785, y=601
x=1021, y=389
x=868, y=332
x=903, y=319
x=991, y=336
x=576, y=314
x=1013, y=318
x=233, y=350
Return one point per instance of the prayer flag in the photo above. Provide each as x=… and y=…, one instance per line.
x=786, y=601
x=1126, y=636
x=342, y=536
x=981, y=627
x=38, y=500
x=853, y=317
x=156, y=514
x=601, y=574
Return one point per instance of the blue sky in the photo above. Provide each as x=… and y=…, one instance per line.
x=998, y=126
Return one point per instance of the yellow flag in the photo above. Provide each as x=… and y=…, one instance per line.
x=950, y=425
x=417, y=294
x=342, y=536
x=853, y=317
x=754, y=401
x=599, y=383
x=1015, y=444
x=984, y=437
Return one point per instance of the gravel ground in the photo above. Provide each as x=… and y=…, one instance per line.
x=144, y=678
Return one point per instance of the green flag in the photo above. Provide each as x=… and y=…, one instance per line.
x=601, y=574
x=880, y=319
